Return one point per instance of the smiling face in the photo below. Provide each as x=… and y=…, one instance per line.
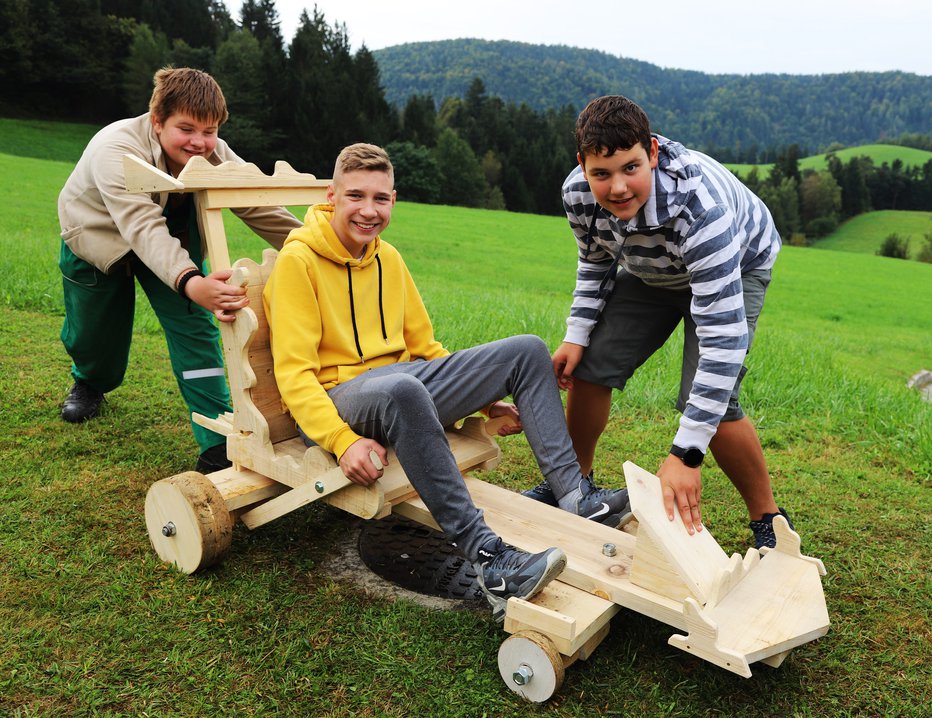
x=363, y=201
x=621, y=182
x=182, y=137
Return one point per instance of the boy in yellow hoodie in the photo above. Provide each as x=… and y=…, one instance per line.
x=358, y=366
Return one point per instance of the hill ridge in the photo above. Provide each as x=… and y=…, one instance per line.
x=711, y=111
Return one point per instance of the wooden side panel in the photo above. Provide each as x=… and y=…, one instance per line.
x=697, y=559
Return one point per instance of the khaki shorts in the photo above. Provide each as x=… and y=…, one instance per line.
x=636, y=321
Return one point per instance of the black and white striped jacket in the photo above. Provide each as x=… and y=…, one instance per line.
x=700, y=230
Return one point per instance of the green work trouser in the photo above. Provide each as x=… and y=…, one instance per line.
x=98, y=329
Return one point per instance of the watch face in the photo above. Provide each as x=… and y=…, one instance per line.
x=693, y=457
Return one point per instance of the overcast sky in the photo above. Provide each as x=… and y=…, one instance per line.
x=714, y=36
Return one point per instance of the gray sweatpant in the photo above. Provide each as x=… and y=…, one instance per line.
x=407, y=405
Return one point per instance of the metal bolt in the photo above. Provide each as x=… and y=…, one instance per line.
x=609, y=549
x=522, y=675
x=319, y=486
x=168, y=529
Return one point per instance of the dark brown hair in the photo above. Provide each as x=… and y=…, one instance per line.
x=611, y=123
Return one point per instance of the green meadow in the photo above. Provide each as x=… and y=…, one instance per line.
x=909, y=156
x=94, y=625
x=866, y=232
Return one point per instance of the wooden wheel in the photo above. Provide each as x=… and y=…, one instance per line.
x=188, y=521
x=530, y=665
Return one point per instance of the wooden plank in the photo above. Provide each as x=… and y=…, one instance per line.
x=211, y=225
x=324, y=484
x=565, y=614
x=533, y=526
x=241, y=488
x=280, y=197
x=221, y=425
x=651, y=570
x=139, y=176
x=696, y=558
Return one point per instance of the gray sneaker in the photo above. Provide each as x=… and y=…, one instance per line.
x=607, y=506
x=504, y=571
x=543, y=493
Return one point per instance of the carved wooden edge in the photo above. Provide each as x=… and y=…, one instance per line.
x=199, y=174
x=790, y=543
x=702, y=641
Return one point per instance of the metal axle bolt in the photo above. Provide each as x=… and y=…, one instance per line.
x=168, y=529
x=609, y=549
x=522, y=675
x=319, y=486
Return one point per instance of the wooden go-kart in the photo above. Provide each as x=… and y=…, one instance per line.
x=729, y=611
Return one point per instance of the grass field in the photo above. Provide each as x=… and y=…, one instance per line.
x=910, y=156
x=93, y=624
x=866, y=232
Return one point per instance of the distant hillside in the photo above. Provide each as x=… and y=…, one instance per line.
x=909, y=156
x=709, y=111
x=866, y=232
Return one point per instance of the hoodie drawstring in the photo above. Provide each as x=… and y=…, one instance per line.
x=381, y=310
x=352, y=304
x=352, y=309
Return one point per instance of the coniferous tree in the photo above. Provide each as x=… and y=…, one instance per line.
x=462, y=181
x=419, y=121
x=147, y=53
x=238, y=68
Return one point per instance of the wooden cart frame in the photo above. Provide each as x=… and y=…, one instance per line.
x=729, y=611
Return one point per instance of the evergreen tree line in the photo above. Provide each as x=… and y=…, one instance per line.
x=811, y=204
x=738, y=118
x=93, y=60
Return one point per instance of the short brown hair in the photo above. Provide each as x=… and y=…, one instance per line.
x=611, y=123
x=190, y=91
x=362, y=156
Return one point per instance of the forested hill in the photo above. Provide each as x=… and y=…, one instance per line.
x=725, y=111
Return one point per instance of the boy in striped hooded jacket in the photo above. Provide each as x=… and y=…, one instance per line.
x=665, y=233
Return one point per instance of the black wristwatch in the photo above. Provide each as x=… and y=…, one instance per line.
x=692, y=456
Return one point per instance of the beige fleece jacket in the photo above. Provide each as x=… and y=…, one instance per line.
x=102, y=223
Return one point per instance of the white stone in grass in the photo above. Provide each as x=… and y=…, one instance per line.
x=922, y=382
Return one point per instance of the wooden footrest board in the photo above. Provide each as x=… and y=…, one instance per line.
x=567, y=615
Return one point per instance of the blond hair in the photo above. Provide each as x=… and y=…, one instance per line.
x=189, y=91
x=362, y=156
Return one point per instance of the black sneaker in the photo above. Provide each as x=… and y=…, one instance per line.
x=764, y=537
x=213, y=459
x=543, y=493
x=607, y=506
x=504, y=571
x=82, y=403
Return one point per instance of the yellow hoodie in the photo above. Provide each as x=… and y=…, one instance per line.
x=333, y=317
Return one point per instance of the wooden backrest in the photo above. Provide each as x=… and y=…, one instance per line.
x=257, y=403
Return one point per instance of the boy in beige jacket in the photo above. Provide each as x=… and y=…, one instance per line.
x=112, y=238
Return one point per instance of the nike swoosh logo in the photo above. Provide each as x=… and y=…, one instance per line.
x=601, y=512
x=498, y=588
